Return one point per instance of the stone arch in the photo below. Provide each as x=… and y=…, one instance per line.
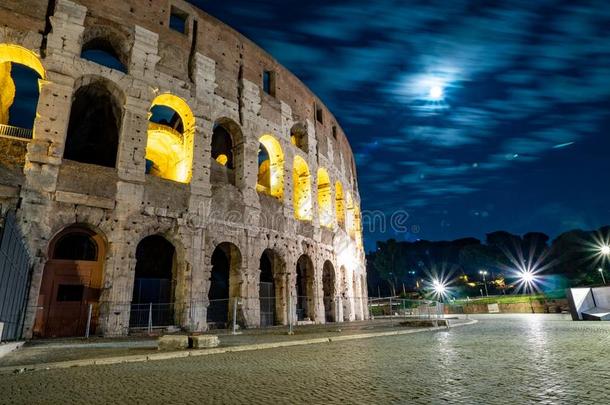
x=155, y=281
x=325, y=198
x=339, y=204
x=272, y=288
x=95, y=122
x=225, y=278
x=171, y=135
x=301, y=180
x=270, y=167
x=305, y=289
x=72, y=279
x=21, y=75
x=106, y=46
x=349, y=216
x=227, y=153
x=299, y=138
x=328, y=288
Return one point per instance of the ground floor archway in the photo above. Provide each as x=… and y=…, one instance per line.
x=305, y=289
x=71, y=284
x=328, y=287
x=152, y=303
x=272, y=289
x=224, y=284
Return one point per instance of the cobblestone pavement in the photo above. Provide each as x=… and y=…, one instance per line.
x=500, y=360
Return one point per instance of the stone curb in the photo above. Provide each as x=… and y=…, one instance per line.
x=204, y=352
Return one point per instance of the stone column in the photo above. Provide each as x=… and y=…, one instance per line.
x=132, y=142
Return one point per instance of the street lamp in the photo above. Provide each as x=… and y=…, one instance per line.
x=605, y=250
x=528, y=278
x=601, y=271
x=484, y=273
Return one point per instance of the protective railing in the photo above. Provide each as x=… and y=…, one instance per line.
x=15, y=133
x=230, y=313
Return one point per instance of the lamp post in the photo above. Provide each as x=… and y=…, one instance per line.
x=601, y=271
x=484, y=273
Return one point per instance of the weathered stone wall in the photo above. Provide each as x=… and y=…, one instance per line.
x=220, y=78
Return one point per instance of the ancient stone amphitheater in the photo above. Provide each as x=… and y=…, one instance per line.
x=165, y=171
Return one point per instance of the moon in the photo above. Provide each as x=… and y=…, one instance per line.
x=436, y=92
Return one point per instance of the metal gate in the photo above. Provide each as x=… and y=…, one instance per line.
x=14, y=278
x=267, y=303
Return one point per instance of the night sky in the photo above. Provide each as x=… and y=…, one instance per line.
x=471, y=116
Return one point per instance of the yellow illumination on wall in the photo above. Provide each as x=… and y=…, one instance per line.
x=222, y=159
x=349, y=220
x=9, y=54
x=325, y=198
x=301, y=197
x=271, y=172
x=23, y=56
x=358, y=225
x=339, y=204
x=171, y=151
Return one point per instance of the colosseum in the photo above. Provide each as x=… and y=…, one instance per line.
x=158, y=169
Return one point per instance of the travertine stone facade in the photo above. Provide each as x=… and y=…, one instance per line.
x=220, y=78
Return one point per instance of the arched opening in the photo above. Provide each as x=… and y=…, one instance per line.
x=305, y=289
x=339, y=205
x=71, y=281
x=224, y=284
x=102, y=52
x=271, y=288
x=226, y=137
x=298, y=137
x=20, y=75
x=270, y=167
x=357, y=226
x=328, y=287
x=171, y=133
x=349, y=218
x=152, y=301
x=93, y=130
x=325, y=199
x=301, y=190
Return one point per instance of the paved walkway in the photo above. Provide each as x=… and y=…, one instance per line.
x=500, y=360
x=40, y=352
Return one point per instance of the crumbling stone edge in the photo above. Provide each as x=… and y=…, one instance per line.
x=204, y=352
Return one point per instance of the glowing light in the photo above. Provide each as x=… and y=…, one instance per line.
x=222, y=159
x=339, y=206
x=436, y=92
x=527, y=277
x=439, y=287
x=325, y=204
x=605, y=250
x=271, y=174
x=301, y=190
x=171, y=151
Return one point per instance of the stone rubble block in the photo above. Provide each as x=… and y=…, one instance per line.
x=173, y=342
x=204, y=341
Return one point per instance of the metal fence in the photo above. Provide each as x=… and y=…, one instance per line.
x=14, y=278
x=405, y=308
x=15, y=133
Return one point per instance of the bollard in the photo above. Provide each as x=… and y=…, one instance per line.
x=290, y=332
x=150, y=318
x=87, y=330
x=235, y=303
x=391, y=315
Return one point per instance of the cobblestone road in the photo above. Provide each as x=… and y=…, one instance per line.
x=501, y=360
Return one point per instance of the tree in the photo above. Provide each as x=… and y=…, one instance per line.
x=389, y=262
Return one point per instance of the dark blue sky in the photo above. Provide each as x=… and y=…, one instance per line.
x=517, y=141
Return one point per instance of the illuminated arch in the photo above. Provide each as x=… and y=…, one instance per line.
x=358, y=225
x=325, y=199
x=339, y=204
x=301, y=196
x=350, y=218
x=169, y=150
x=23, y=56
x=270, y=167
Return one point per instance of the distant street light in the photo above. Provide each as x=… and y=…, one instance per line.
x=605, y=250
x=601, y=271
x=528, y=279
x=484, y=273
